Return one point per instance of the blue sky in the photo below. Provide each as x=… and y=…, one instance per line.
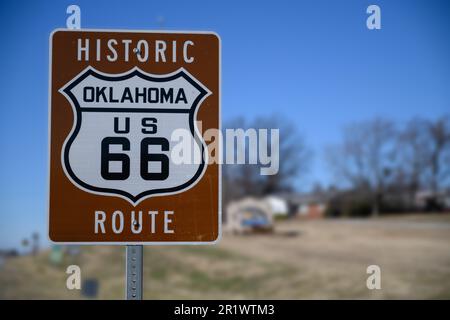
x=314, y=62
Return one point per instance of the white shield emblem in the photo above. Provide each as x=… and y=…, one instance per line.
x=120, y=144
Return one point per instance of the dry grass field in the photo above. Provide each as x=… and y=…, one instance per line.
x=302, y=260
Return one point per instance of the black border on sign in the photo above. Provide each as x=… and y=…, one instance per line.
x=134, y=72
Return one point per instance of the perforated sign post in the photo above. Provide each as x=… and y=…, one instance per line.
x=129, y=163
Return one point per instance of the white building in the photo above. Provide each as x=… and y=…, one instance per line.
x=278, y=205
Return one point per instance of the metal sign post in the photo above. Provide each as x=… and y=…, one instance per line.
x=134, y=274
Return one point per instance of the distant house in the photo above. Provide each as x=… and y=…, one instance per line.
x=278, y=205
x=308, y=205
x=426, y=200
x=312, y=210
x=446, y=200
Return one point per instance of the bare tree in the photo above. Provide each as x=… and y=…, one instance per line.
x=294, y=156
x=35, y=244
x=414, y=155
x=25, y=244
x=365, y=158
x=439, y=148
x=294, y=159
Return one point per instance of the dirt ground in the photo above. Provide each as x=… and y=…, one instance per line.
x=318, y=259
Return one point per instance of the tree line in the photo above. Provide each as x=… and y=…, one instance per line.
x=378, y=165
x=385, y=164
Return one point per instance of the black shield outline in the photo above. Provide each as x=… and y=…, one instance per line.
x=127, y=75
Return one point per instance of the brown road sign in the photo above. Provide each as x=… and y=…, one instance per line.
x=128, y=161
